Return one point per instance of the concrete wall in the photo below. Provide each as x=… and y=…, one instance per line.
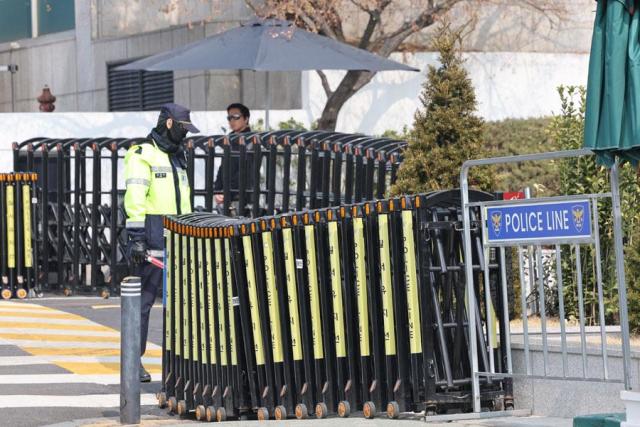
x=549, y=26
x=117, y=18
x=74, y=63
x=557, y=26
x=94, y=125
x=568, y=398
x=507, y=85
x=516, y=60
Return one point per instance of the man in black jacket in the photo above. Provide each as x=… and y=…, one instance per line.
x=238, y=117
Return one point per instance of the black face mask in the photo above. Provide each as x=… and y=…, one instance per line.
x=169, y=140
x=177, y=133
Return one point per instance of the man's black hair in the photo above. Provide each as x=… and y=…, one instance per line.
x=244, y=110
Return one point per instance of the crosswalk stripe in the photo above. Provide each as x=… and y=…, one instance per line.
x=84, y=401
x=31, y=310
x=70, y=351
x=58, y=338
x=103, y=379
x=71, y=322
x=64, y=327
x=40, y=315
x=101, y=368
x=69, y=341
x=23, y=360
x=30, y=332
x=47, y=360
x=19, y=306
x=104, y=306
x=63, y=344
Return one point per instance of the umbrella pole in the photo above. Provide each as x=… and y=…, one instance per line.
x=620, y=273
x=268, y=105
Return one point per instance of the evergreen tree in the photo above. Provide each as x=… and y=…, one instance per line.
x=446, y=130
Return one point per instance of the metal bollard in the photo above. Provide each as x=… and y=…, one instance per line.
x=130, y=291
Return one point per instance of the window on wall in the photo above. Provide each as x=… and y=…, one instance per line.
x=15, y=20
x=138, y=90
x=21, y=19
x=55, y=16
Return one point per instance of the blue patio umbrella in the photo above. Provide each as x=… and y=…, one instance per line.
x=266, y=45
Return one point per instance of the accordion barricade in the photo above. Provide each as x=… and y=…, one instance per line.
x=331, y=311
x=81, y=188
x=18, y=262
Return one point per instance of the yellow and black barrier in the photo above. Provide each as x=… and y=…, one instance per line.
x=334, y=311
x=18, y=267
x=80, y=189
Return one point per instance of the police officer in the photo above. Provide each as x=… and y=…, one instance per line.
x=157, y=185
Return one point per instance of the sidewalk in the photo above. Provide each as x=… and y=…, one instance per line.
x=151, y=421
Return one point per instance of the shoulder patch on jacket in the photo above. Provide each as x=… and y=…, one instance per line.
x=139, y=148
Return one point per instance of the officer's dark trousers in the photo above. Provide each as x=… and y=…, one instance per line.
x=151, y=277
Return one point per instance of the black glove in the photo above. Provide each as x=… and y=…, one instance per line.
x=138, y=251
x=137, y=245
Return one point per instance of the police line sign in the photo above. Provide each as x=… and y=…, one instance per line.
x=552, y=222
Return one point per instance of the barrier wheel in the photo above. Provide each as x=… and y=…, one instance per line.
x=210, y=414
x=6, y=294
x=369, y=410
x=344, y=409
x=105, y=294
x=301, y=411
x=321, y=410
x=280, y=413
x=221, y=414
x=201, y=412
x=393, y=410
x=263, y=414
x=182, y=408
x=67, y=292
x=172, y=404
x=162, y=399
x=508, y=405
x=21, y=293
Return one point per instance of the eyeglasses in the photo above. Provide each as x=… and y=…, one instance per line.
x=234, y=117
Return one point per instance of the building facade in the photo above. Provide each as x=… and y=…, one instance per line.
x=516, y=56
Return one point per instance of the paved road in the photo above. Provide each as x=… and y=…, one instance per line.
x=59, y=364
x=60, y=360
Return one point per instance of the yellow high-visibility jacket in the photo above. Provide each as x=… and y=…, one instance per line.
x=156, y=186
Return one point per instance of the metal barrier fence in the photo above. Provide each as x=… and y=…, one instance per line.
x=566, y=224
x=18, y=234
x=359, y=308
x=81, y=188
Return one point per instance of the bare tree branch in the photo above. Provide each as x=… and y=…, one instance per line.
x=334, y=17
x=360, y=6
x=325, y=83
x=331, y=27
x=374, y=20
x=337, y=24
x=385, y=46
x=309, y=22
x=252, y=6
x=551, y=10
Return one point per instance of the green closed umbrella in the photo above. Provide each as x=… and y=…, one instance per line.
x=612, y=120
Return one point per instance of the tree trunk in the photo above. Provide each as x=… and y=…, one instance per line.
x=352, y=82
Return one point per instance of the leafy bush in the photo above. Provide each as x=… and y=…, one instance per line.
x=522, y=136
x=583, y=176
